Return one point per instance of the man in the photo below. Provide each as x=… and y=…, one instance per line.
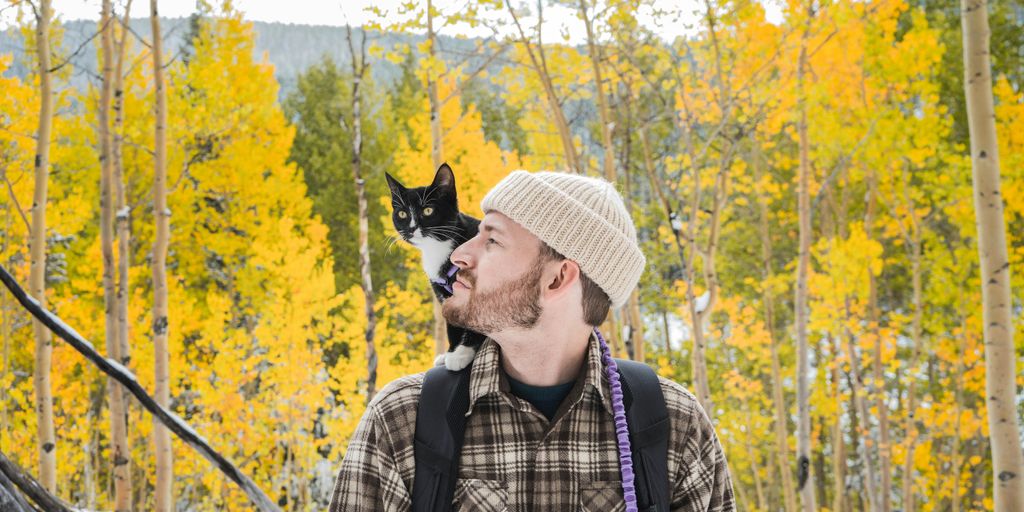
x=540, y=434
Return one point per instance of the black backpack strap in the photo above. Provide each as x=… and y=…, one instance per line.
x=438, y=440
x=648, y=421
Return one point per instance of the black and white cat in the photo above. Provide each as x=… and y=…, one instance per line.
x=429, y=218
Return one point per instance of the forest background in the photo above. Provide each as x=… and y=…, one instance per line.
x=284, y=313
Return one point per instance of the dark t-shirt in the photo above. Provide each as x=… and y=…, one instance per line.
x=545, y=398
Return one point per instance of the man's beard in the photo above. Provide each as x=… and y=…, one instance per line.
x=512, y=304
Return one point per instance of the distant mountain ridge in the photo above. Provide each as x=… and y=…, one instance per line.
x=290, y=48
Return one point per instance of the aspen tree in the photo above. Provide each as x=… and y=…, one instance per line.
x=37, y=281
x=118, y=428
x=162, y=214
x=359, y=67
x=997, y=303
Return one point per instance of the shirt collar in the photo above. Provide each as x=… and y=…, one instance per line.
x=487, y=377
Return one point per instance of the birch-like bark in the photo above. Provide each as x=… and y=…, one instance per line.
x=860, y=399
x=997, y=301
x=779, y=404
x=47, y=443
x=839, y=444
x=359, y=66
x=162, y=215
x=957, y=401
x=755, y=470
x=912, y=237
x=437, y=156
x=119, y=451
x=122, y=227
x=539, y=64
x=636, y=329
x=803, y=439
x=883, y=448
x=122, y=222
x=608, y=165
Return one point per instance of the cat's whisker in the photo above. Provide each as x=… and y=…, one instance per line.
x=441, y=228
x=392, y=240
x=447, y=232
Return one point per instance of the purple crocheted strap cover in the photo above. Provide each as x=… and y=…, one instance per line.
x=447, y=283
x=621, y=428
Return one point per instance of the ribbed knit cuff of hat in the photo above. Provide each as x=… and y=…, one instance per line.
x=583, y=218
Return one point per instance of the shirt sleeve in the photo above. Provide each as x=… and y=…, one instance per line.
x=368, y=480
x=704, y=484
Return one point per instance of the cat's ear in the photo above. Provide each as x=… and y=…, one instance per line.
x=396, y=187
x=444, y=178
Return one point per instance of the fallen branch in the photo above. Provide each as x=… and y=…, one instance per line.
x=121, y=374
x=11, y=473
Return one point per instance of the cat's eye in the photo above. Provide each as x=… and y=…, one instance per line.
x=402, y=214
x=428, y=210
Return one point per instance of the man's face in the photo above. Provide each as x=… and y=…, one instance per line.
x=498, y=284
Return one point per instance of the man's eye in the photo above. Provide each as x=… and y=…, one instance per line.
x=491, y=241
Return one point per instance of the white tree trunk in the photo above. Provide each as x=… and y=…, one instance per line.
x=37, y=280
x=778, y=400
x=803, y=392
x=118, y=429
x=1000, y=357
x=358, y=71
x=437, y=156
x=162, y=214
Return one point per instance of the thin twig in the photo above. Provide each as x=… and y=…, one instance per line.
x=10, y=189
x=80, y=47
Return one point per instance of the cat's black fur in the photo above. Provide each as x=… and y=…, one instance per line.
x=433, y=223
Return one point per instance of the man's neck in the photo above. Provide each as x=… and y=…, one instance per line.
x=545, y=355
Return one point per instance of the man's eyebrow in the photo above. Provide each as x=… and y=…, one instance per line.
x=488, y=227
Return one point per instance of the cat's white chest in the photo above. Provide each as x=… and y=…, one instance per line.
x=435, y=253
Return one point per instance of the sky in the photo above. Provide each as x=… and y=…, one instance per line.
x=560, y=22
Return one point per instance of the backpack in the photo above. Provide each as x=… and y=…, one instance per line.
x=438, y=440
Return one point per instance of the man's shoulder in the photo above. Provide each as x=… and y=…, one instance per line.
x=393, y=413
x=684, y=409
x=401, y=393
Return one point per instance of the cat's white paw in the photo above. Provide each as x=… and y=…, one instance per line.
x=439, y=360
x=459, y=358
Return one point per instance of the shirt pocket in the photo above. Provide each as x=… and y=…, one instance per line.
x=602, y=497
x=480, y=495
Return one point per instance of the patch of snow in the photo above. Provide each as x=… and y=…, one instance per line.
x=177, y=419
x=119, y=367
x=702, y=301
x=677, y=225
x=69, y=329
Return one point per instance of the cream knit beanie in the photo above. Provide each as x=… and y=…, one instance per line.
x=582, y=218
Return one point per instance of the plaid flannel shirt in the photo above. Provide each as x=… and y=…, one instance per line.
x=514, y=459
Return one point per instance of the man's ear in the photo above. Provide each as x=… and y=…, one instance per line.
x=565, y=274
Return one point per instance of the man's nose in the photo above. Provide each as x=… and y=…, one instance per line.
x=461, y=256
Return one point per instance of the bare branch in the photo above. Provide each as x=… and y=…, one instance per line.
x=80, y=47
x=123, y=376
x=14, y=199
x=28, y=485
